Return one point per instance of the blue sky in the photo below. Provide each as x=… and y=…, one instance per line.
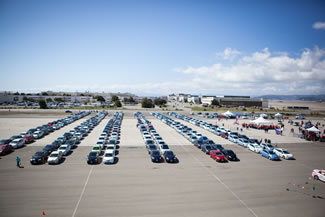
x=161, y=47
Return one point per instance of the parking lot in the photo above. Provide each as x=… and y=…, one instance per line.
x=134, y=186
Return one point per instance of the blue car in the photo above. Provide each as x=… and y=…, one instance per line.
x=269, y=154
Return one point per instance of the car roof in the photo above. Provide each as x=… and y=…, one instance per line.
x=110, y=151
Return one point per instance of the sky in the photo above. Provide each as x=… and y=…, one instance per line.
x=161, y=47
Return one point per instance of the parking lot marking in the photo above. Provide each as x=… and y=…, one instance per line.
x=83, y=191
x=219, y=180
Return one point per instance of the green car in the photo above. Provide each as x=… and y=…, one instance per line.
x=97, y=148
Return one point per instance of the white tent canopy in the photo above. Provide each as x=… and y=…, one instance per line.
x=228, y=113
x=261, y=121
x=277, y=115
x=313, y=129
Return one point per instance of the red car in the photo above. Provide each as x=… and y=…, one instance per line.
x=5, y=149
x=218, y=156
x=28, y=138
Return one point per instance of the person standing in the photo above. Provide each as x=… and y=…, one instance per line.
x=18, y=161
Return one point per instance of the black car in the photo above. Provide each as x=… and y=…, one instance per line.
x=5, y=141
x=230, y=155
x=206, y=148
x=198, y=143
x=93, y=158
x=56, y=143
x=151, y=147
x=217, y=147
x=67, y=136
x=48, y=149
x=39, y=158
x=170, y=157
x=155, y=156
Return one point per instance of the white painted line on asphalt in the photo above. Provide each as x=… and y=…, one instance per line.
x=219, y=180
x=83, y=191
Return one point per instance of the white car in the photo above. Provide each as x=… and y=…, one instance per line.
x=318, y=174
x=233, y=138
x=38, y=134
x=255, y=148
x=163, y=148
x=243, y=142
x=101, y=143
x=17, y=143
x=55, y=157
x=109, y=157
x=64, y=149
x=110, y=147
x=281, y=152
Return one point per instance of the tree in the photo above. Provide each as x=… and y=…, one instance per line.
x=100, y=98
x=115, y=98
x=49, y=100
x=17, y=93
x=118, y=103
x=44, y=94
x=215, y=102
x=147, y=103
x=58, y=99
x=42, y=104
x=185, y=100
x=129, y=100
x=159, y=101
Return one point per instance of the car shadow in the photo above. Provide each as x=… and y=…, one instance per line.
x=69, y=153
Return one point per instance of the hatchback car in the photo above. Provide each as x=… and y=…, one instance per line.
x=109, y=156
x=55, y=157
x=218, y=156
x=5, y=149
x=170, y=157
x=93, y=157
x=39, y=158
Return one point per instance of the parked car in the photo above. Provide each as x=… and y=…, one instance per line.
x=269, y=154
x=170, y=157
x=318, y=174
x=17, y=143
x=206, y=148
x=65, y=149
x=267, y=146
x=49, y=148
x=5, y=149
x=151, y=147
x=218, y=156
x=55, y=157
x=230, y=155
x=97, y=148
x=163, y=148
x=284, y=153
x=93, y=157
x=109, y=156
x=155, y=156
x=255, y=148
x=39, y=158
x=28, y=138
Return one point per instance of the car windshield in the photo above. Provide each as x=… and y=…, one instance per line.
x=271, y=152
x=108, y=155
x=218, y=153
x=100, y=142
x=165, y=147
x=286, y=152
x=169, y=153
x=54, y=155
x=2, y=147
x=95, y=148
x=38, y=154
x=63, y=148
x=110, y=147
x=92, y=154
x=156, y=153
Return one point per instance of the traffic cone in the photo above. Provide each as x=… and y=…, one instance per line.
x=43, y=212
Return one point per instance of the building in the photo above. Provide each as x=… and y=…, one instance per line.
x=207, y=100
x=245, y=101
x=193, y=99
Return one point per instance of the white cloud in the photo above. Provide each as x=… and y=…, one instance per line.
x=264, y=73
x=319, y=25
x=229, y=54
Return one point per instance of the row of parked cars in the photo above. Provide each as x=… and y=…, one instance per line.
x=18, y=141
x=107, y=142
x=158, y=150
x=53, y=153
x=266, y=149
x=215, y=151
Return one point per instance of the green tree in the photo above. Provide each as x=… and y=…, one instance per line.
x=215, y=102
x=118, y=103
x=147, y=103
x=159, y=101
x=44, y=94
x=115, y=98
x=100, y=98
x=49, y=100
x=42, y=104
x=58, y=99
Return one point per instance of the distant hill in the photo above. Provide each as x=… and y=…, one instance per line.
x=294, y=97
